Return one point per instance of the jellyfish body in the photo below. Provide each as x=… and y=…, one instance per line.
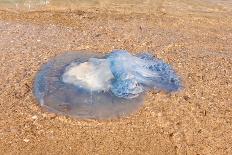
x=135, y=74
x=88, y=85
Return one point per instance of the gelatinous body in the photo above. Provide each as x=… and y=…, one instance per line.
x=136, y=74
x=89, y=85
x=95, y=75
x=64, y=98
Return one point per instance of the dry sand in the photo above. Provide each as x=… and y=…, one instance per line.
x=195, y=121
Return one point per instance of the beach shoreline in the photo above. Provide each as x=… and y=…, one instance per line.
x=196, y=120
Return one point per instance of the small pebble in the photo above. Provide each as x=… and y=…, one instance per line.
x=34, y=117
x=26, y=140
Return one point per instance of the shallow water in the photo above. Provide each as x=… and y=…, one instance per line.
x=200, y=6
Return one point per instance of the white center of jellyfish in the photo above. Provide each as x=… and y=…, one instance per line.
x=94, y=75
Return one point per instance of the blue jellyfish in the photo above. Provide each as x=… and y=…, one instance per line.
x=90, y=85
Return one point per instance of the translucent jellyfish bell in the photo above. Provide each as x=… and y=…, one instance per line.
x=90, y=85
x=65, y=98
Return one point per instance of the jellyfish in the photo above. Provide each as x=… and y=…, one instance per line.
x=95, y=86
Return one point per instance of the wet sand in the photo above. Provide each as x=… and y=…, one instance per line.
x=196, y=120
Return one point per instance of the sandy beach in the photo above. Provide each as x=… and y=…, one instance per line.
x=195, y=121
